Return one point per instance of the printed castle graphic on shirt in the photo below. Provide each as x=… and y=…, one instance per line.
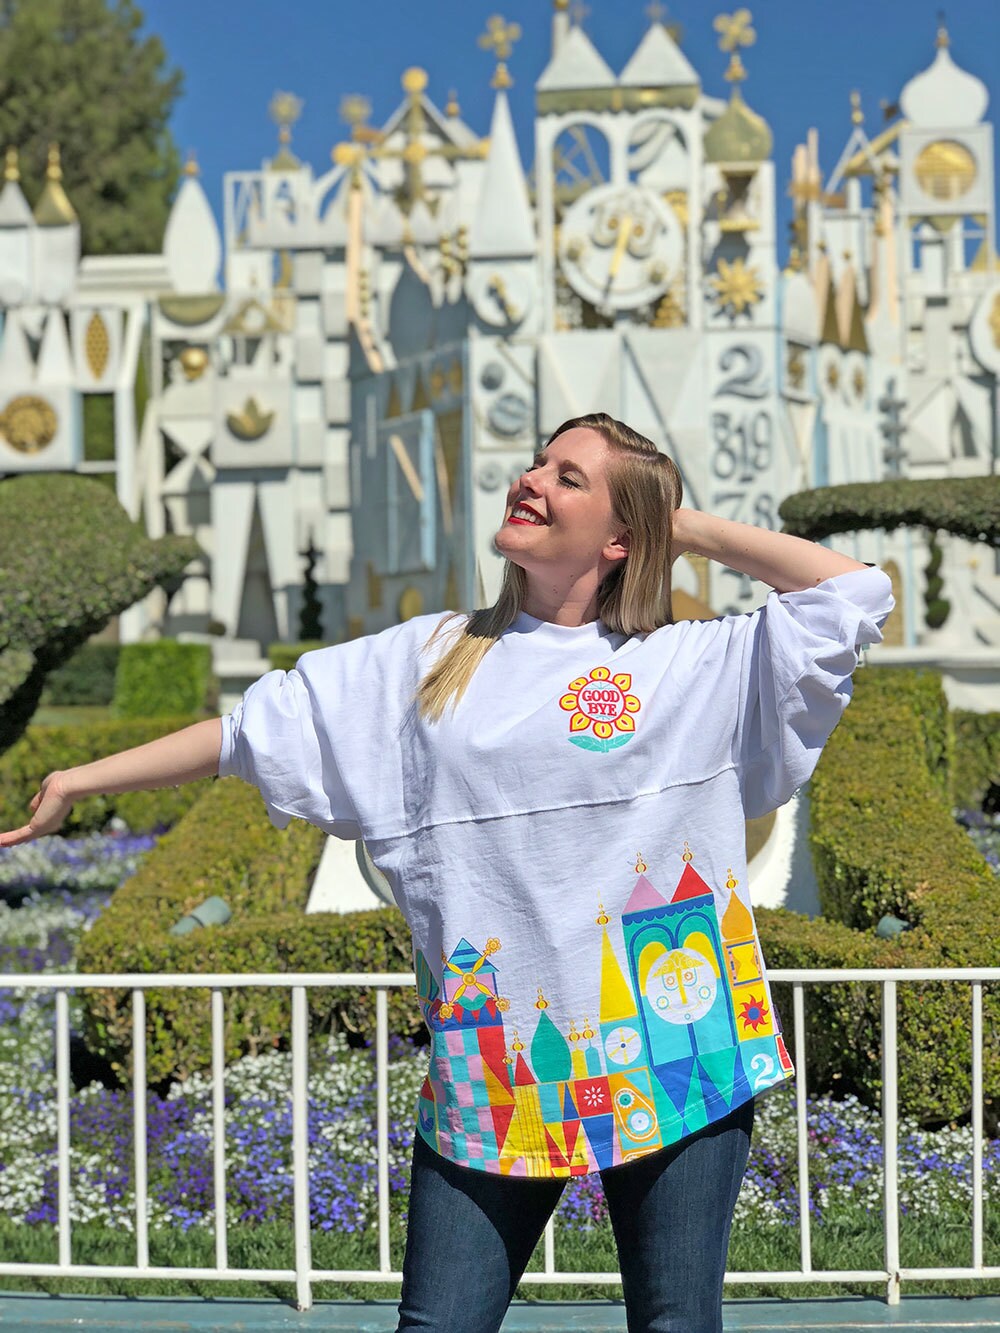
x=685, y=1032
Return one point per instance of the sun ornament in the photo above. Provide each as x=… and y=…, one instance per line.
x=601, y=703
x=737, y=287
x=754, y=1013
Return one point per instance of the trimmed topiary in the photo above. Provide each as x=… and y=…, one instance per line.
x=70, y=559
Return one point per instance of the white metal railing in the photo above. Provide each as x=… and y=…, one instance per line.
x=304, y=1275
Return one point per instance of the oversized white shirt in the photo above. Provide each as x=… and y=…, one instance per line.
x=567, y=846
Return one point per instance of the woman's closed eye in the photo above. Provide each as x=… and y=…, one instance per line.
x=568, y=481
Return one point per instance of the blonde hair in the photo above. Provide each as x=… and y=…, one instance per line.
x=633, y=598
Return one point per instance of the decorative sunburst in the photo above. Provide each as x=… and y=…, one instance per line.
x=737, y=287
x=754, y=1013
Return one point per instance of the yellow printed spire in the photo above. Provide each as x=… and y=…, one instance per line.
x=616, y=998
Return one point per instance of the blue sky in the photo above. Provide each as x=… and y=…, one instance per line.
x=807, y=58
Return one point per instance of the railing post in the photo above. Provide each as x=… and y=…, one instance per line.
x=62, y=1125
x=219, y=1128
x=139, y=1128
x=382, y=1123
x=977, y=1124
x=802, y=1129
x=300, y=1147
x=890, y=1130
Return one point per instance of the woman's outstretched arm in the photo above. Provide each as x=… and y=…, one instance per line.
x=787, y=563
x=183, y=756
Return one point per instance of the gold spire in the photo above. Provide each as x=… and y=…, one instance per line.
x=53, y=208
x=191, y=165
x=355, y=110
x=943, y=41
x=739, y=134
x=11, y=171
x=285, y=109
x=735, y=31
x=857, y=115
x=452, y=109
x=414, y=81
x=500, y=37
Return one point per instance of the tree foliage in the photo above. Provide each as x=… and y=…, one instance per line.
x=81, y=74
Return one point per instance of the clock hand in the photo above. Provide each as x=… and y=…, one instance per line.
x=624, y=233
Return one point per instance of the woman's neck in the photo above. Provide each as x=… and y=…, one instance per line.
x=559, y=606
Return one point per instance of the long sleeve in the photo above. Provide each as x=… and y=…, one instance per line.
x=323, y=742
x=796, y=659
x=276, y=739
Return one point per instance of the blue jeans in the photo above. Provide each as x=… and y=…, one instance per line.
x=470, y=1234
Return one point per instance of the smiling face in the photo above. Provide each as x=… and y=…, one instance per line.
x=559, y=521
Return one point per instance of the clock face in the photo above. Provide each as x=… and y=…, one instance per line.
x=620, y=246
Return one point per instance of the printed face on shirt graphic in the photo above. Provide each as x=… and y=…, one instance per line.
x=559, y=518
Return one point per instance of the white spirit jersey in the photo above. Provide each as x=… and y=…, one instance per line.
x=568, y=848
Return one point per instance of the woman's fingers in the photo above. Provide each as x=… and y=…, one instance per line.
x=17, y=836
x=49, y=807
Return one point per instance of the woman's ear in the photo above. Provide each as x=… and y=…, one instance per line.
x=618, y=547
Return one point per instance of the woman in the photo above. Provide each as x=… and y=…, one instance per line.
x=556, y=790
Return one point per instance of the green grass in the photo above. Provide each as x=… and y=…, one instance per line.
x=854, y=1240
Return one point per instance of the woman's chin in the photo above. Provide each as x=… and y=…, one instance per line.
x=505, y=543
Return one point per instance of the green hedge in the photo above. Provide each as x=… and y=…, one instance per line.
x=43, y=750
x=884, y=841
x=225, y=845
x=87, y=679
x=163, y=677
x=977, y=757
x=283, y=656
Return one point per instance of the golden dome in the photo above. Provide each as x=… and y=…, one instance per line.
x=739, y=134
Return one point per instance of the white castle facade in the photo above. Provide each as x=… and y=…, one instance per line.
x=363, y=358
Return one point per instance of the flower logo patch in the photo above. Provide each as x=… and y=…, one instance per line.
x=600, y=703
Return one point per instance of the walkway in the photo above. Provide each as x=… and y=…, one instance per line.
x=30, y=1312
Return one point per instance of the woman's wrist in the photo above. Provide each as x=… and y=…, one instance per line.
x=684, y=531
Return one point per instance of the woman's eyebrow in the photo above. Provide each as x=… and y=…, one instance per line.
x=575, y=467
x=541, y=459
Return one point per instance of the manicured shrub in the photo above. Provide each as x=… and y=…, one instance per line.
x=70, y=559
x=225, y=845
x=966, y=507
x=164, y=677
x=87, y=679
x=977, y=757
x=283, y=656
x=884, y=841
x=43, y=750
